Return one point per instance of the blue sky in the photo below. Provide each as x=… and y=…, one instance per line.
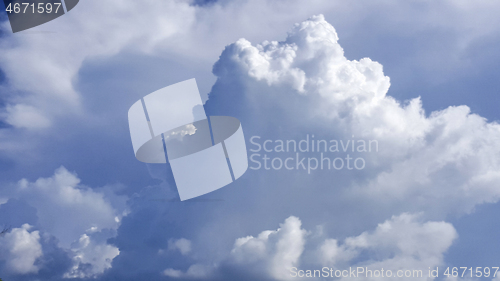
x=417, y=76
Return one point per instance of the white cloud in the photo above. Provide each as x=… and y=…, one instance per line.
x=401, y=243
x=52, y=60
x=451, y=153
x=182, y=244
x=20, y=249
x=175, y=273
x=443, y=163
x=310, y=60
x=272, y=252
x=81, y=219
x=276, y=251
x=404, y=242
x=90, y=252
x=307, y=81
x=77, y=208
x=94, y=29
x=196, y=271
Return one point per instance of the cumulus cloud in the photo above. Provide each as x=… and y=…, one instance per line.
x=440, y=163
x=183, y=245
x=91, y=257
x=276, y=251
x=20, y=250
x=403, y=242
x=271, y=253
x=305, y=84
x=310, y=62
x=81, y=219
x=446, y=162
x=65, y=208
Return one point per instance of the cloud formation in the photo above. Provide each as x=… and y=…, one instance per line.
x=54, y=63
x=77, y=208
x=439, y=164
x=404, y=242
x=79, y=218
x=20, y=249
x=445, y=162
x=92, y=256
x=183, y=245
x=274, y=251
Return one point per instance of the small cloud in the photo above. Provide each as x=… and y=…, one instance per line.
x=170, y=272
x=182, y=244
x=196, y=271
x=26, y=116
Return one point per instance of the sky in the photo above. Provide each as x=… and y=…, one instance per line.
x=416, y=78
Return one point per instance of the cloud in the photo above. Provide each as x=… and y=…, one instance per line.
x=80, y=218
x=54, y=59
x=306, y=85
x=85, y=69
x=174, y=273
x=403, y=242
x=25, y=116
x=309, y=61
x=77, y=208
x=195, y=271
x=91, y=257
x=446, y=162
x=183, y=245
x=20, y=250
x=276, y=250
x=287, y=89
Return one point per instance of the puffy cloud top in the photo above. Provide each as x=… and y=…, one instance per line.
x=77, y=208
x=279, y=249
x=443, y=162
x=79, y=219
x=20, y=249
x=311, y=62
x=403, y=242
